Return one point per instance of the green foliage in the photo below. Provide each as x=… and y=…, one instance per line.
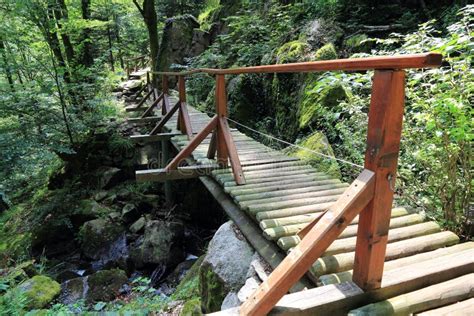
x=326, y=52
x=39, y=291
x=292, y=52
x=205, y=17
x=14, y=302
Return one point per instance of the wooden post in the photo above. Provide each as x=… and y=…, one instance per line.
x=165, y=156
x=165, y=88
x=221, y=110
x=383, y=145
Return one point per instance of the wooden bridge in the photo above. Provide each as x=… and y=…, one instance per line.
x=335, y=247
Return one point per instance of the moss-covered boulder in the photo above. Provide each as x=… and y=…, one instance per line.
x=161, y=244
x=191, y=308
x=181, y=39
x=359, y=43
x=17, y=274
x=97, y=236
x=317, y=142
x=105, y=285
x=319, y=98
x=221, y=271
x=292, y=52
x=40, y=290
x=327, y=52
x=101, y=286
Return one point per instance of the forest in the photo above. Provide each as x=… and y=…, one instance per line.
x=79, y=235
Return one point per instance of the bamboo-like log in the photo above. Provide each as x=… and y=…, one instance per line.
x=247, y=198
x=460, y=308
x=292, y=211
x=348, y=244
x=400, y=249
x=294, y=197
x=429, y=297
x=274, y=180
x=274, y=233
x=346, y=276
x=273, y=187
x=295, y=203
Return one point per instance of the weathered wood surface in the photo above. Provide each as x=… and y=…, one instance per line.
x=457, y=309
x=427, y=298
x=283, y=195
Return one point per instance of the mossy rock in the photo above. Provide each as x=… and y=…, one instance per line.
x=327, y=52
x=212, y=289
x=359, y=43
x=19, y=273
x=105, y=285
x=40, y=290
x=292, y=52
x=191, y=308
x=188, y=287
x=98, y=234
x=318, y=97
x=317, y=142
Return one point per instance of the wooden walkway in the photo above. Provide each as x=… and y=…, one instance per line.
x=425, y=268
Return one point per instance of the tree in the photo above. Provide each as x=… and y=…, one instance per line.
x=148, y=12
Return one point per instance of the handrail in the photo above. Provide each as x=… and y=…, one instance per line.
x=424, y=60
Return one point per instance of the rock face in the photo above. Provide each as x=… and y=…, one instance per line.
x=160, y=245
x=40, y=290
x=101, y=286
x=224, y=267
x=181, y=39
x=98, y=235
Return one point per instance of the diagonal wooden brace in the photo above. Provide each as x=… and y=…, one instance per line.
x=157, y=129
x=312, y=246
x=152, y=106
x=214, y=126
x=142, y=101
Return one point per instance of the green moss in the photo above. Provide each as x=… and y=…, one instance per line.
x=212, y=290
x=292, y=51
x=358, y=43
x=40, y=290
x=326, y=52
x=317, y=142
x=188, y=288
x=317, y=97
x=205, y=18
x=104, y=285
x=191, y=308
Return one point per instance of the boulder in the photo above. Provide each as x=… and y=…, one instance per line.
x=109, y=177
x=191, y=308
x=138, y=225
x=160, y=245
x=104, y=286
x=40, y=290
x=321, y=31
x=181, y=39
x=230, y=301
x=98, y=235
x=130, y=213
x=221, y=271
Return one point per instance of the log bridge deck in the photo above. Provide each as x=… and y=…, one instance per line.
x=278, y=208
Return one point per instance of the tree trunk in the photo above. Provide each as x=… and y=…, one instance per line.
x=111, y=54
x=61, y=12
x=148, y=12
x=6, y=66
x=53, y=42
x=119, y=41
x=87, y=59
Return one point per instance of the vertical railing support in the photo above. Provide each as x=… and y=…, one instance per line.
x=221, y=110
x=183, y=121
x=381, y=157
x=165, y=90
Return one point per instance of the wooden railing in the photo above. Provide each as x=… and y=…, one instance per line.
x=136, y=63
x=370, y=196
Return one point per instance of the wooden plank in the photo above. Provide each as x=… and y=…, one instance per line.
x=293, y=203
x=306, y=218
x=346, y=276
x=383, y=146
x=457, y=309
x=396, y=250
x=318, y=301
x=143, y=100
x=312, y=246
x=292, y=211
x=143, y=120
x=185, y=172
x=433, y=296
x=427, y=60
x=150, y=109
x=152, y=138
x=186, y=126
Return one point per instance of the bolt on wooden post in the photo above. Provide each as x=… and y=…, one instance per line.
x=381, y=157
